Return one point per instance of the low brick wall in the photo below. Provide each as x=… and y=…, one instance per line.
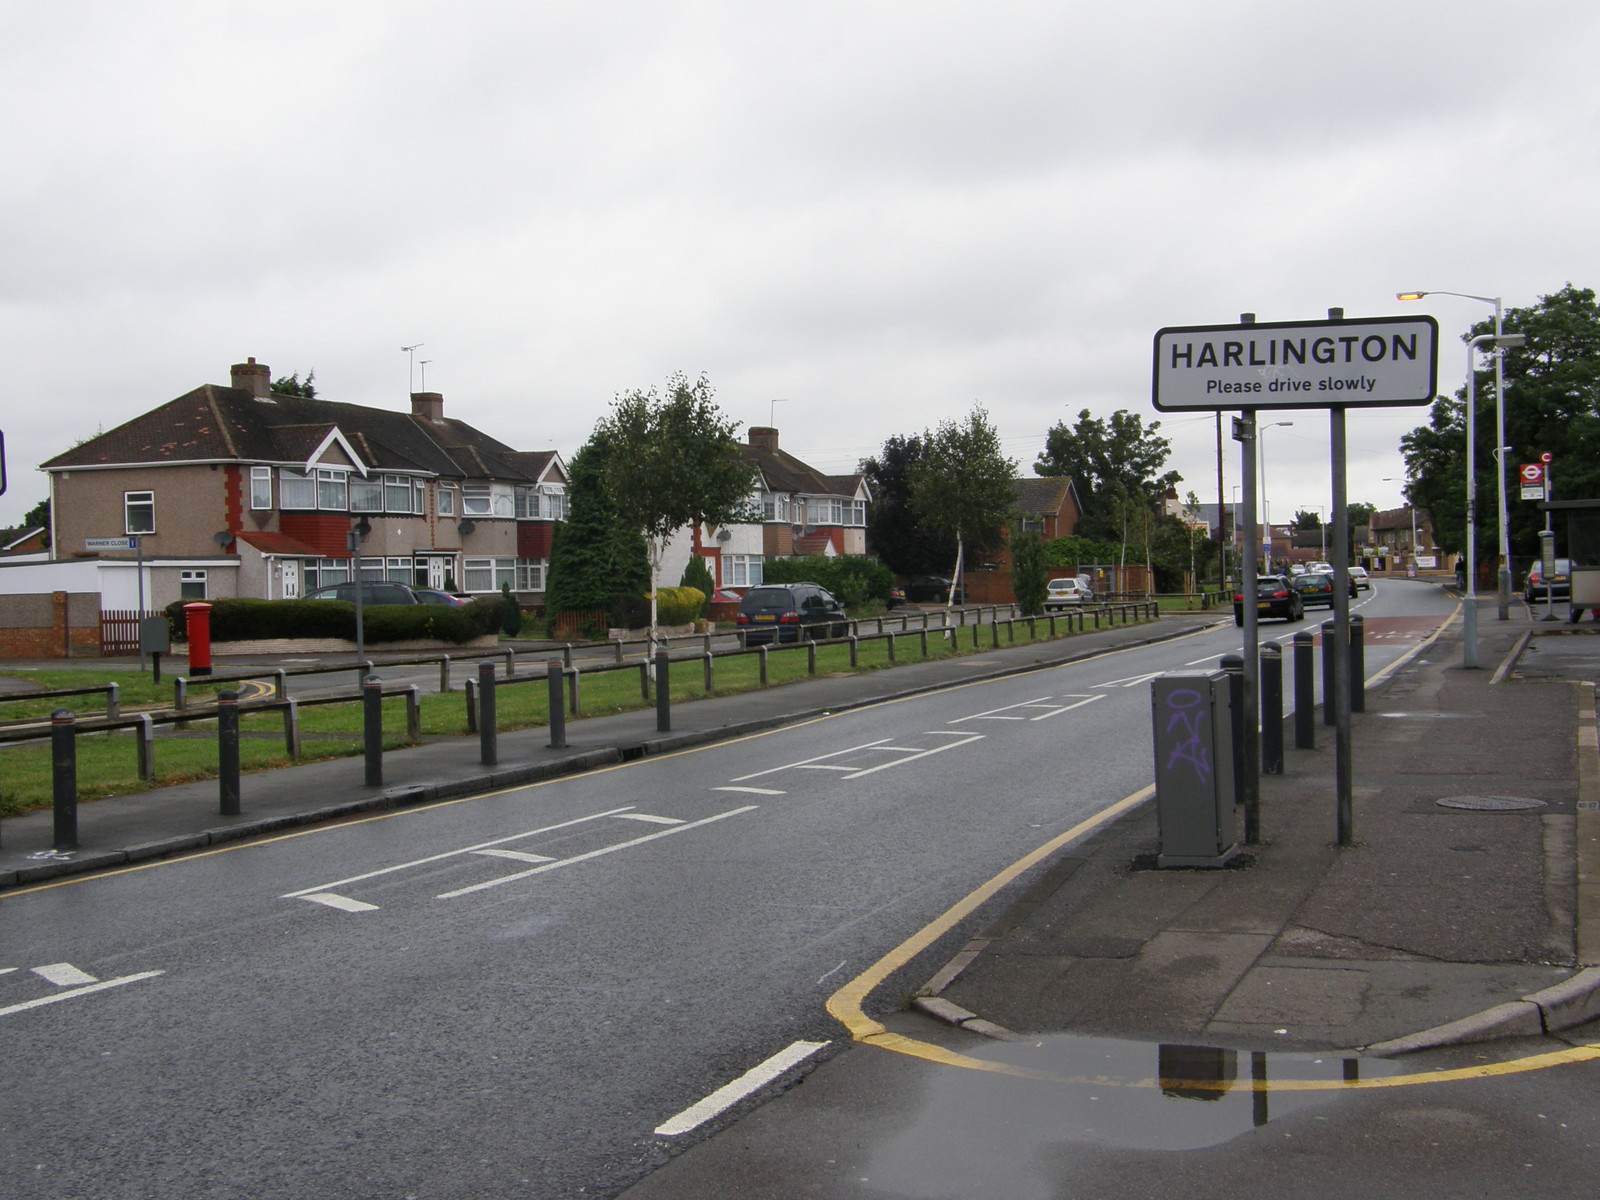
x=50, y=625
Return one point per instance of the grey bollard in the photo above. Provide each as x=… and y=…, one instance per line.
x=488, y=746
x=557, y=706
x=1272, y=709
x=1305, y=691
x=1358, y=663
x=64, y=778
x=664, y=691
x=1246, y=772
x=372, y=729
x=228, y=753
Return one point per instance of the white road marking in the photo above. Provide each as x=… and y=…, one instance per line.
x=567, y=862
x=418, y=862
x=652, y=820
x=57, y=997
x=519, y=855
x=807, y=761
x=900, y=762
x=1050, y=710
x=343, y=903
x=64, y=975
x=729, y=1094
x=6, y=970
x=753, y=790
x=1132, y=680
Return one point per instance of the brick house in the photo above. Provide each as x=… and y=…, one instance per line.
x=242, y=491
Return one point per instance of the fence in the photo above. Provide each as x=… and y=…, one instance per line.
x=119, y=630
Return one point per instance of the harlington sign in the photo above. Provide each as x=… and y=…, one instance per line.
x=1282, y=364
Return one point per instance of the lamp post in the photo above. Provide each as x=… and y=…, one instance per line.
x=1469, y=618
x=1503, y=580
x=1266, y=508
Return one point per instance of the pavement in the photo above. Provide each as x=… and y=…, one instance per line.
x=1466, y=908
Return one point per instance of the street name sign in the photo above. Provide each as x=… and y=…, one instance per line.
x=111, y=543
x=1359, y=363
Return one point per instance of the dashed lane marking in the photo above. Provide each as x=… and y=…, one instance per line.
x=653, y=820
x=1047, y=706
x=755, y=791
x=74, y=993
x=729, y=1094
x=342, y=903
x=518, y=855
x=64, y=975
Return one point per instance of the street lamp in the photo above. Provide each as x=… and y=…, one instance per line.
x=1469, y=619
x=1266, y=509
x=1503, y=590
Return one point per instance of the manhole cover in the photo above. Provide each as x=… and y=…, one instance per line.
x=1490, y=803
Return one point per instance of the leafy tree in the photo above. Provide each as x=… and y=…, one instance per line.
x=595, y=557
x=1030, y=579
x=895, y=529
x=1115, y=466
x=38, y=517
x=675, y=462
x=963, y=488
x=698, y=576
x=290, y=385
x=510, y=613
x=1552, y=405
x=1311, y=521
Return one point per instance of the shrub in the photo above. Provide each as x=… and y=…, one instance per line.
x=628, y=611
x=510, y=612
x=853, y=578
x=698, y=575
x=679, y=605
x=236, y=620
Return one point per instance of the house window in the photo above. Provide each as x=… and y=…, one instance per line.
x=476, y=501
x=191, y=585
x=741, y=570
x=139, y=512
x=530, y=575
x=769, y=507
x=260, y=487
x=858, y=512
x=296, y=489
x=323, y=572
x=397, y=493
x=447, y=499
x=366, y=496
x=527, y=504
x=487, y=574
x=419, y=497
x=332, y=491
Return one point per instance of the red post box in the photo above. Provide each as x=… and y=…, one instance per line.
x=197, y=620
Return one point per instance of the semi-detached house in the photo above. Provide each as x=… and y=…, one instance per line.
x=242, y=491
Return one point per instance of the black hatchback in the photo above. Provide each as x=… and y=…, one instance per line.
x=778, y=612
x=1274, y=598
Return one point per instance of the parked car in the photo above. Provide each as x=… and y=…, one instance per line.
x=1274, y=598
x=897, y=596
x=932, y=588
x=1314, y=589
x=373, y=591
x=435, y=596
x=1359, y=577
x=1560, y=581
x=1319, y=568
x=1065, y=593
x=784, y=612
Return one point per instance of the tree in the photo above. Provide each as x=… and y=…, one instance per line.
x=895, y=530
x=1308, y=521
x=1552, y=405
x=674, y=462
x=1115, y=466
x=963, y=488
x=595, y=556
x=38, y=517
x=290, y=385
x=1030, y=580
x=698, y=576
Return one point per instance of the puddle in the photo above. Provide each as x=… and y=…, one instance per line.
x=975, y=1129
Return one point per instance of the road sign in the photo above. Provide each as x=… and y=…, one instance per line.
x=1359, y=363
x=1531, y=475
x=111, y=543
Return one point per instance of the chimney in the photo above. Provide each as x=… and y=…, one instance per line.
x=428, y=405
x=764, y=438
x=253, y=377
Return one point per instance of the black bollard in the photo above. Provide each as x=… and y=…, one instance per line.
x=488, y=745
x=1245, y=773
x=1358, y=663
x=1305, y=691
x=663, y=689
x=372, y=728
x=558, y=708
x=64, y=777
x=1272, y=709
x=228, y=753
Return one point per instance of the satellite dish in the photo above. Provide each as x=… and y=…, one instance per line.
x=724, y=535
x=465, y=526
x=222, y=539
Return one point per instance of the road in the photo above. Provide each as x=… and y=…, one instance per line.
x=509, y=995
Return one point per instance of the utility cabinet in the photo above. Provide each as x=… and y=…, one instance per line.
x=1196, y=801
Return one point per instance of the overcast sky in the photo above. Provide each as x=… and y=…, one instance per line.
x=857, y=219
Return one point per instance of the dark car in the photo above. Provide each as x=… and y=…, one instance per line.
x=434, y=596
x=1275, y=597
x=373, y=591
x=784, y=612
x=932, y=589
x=1313, y=589
x=1560, y=582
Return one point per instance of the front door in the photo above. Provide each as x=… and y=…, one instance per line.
x=437, y=572
x=289, y=578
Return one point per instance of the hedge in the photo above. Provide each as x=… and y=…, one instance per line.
x=852, y=578
x=243, y=620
